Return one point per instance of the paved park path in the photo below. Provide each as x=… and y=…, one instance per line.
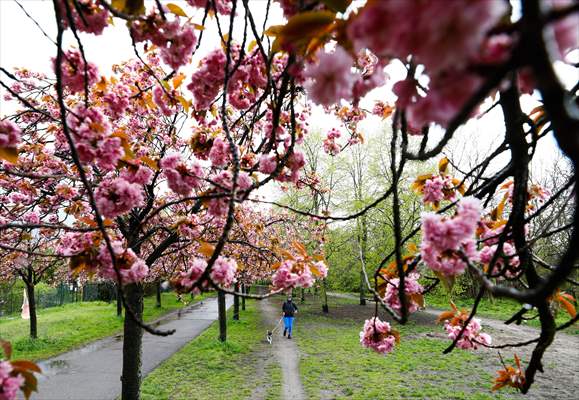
x=285, y=351
x=93, y=372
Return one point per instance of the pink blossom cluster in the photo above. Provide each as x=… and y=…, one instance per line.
x=208, y=79
x=9, y=134
x=267, y=163
x=223, y=182
x=192, y=274
x=137, y=174
x=116, y=196
x=87, y=15
x=565, y=30
x=166, y=100
x=74, y=243
x=331, y=78
x=472, y=337
x=248, y=81
x=91, y=133
x=377, y=335
x=291, y=170
x=222, y=7
x=441, y=35
x=438, y=188
x=176, y=41
x=411, y=287
x=291, y=274
x=117, y=100
x=223, y=271
x=444, y=36
x=507, y=256
x=219, y=153
x=130, y=266
x=181, y=178
x=73, y=71
x=9, y=384
x=444, y=238
x=330, y=146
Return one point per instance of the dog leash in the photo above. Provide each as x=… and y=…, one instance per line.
x=278, y=322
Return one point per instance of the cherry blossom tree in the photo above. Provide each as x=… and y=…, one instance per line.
x=151, y=161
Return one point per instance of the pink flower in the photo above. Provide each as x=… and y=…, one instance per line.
x=90, y=131
x=223, y=7
x=508, y=255
x=411, y=287
x=208, y=79
x=192, y=274
x=377, y=335
x=176, y=41
x=117, y=100
x=73, y=243
x=9, y=385
x=443, y=238
x=447, y=95
x=116, y=197
x=219, y=153
x=322, y=269
x=331, y=79
x=291, y=274
x=9, y=134
x=73, y=71
x=223, y=271
x=94, y=16
x=267, y=163
x=432, y=190
x=140, y=175
x=130, y=266
x=109, y=153
x=31, y=217
x=440, y=34
x=472, y=337
x=223, y=182
x=167, y=101
x=566, y=30
x=182, y=179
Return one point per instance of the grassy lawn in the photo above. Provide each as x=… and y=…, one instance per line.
x=63, y=328
x=501, y=309
x=208, y=369
x=334, y=365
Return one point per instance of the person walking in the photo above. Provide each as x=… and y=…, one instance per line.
x=289, y=309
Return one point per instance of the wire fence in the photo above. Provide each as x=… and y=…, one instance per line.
x=11, y=298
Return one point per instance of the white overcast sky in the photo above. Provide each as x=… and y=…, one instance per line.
x=23, y=44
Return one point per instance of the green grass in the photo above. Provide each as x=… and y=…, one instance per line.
x=333, y=364
x=501, y=309
x=208, y=369
x=64, y=328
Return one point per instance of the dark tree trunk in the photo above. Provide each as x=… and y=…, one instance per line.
x=325, y=307
x=158, y=303
x=119, y=302
x=236, y=303
x=362, y=288
x=32, y=309
x=303, y=295
x=243, y=298
x=222, y=316
x=132, y=349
